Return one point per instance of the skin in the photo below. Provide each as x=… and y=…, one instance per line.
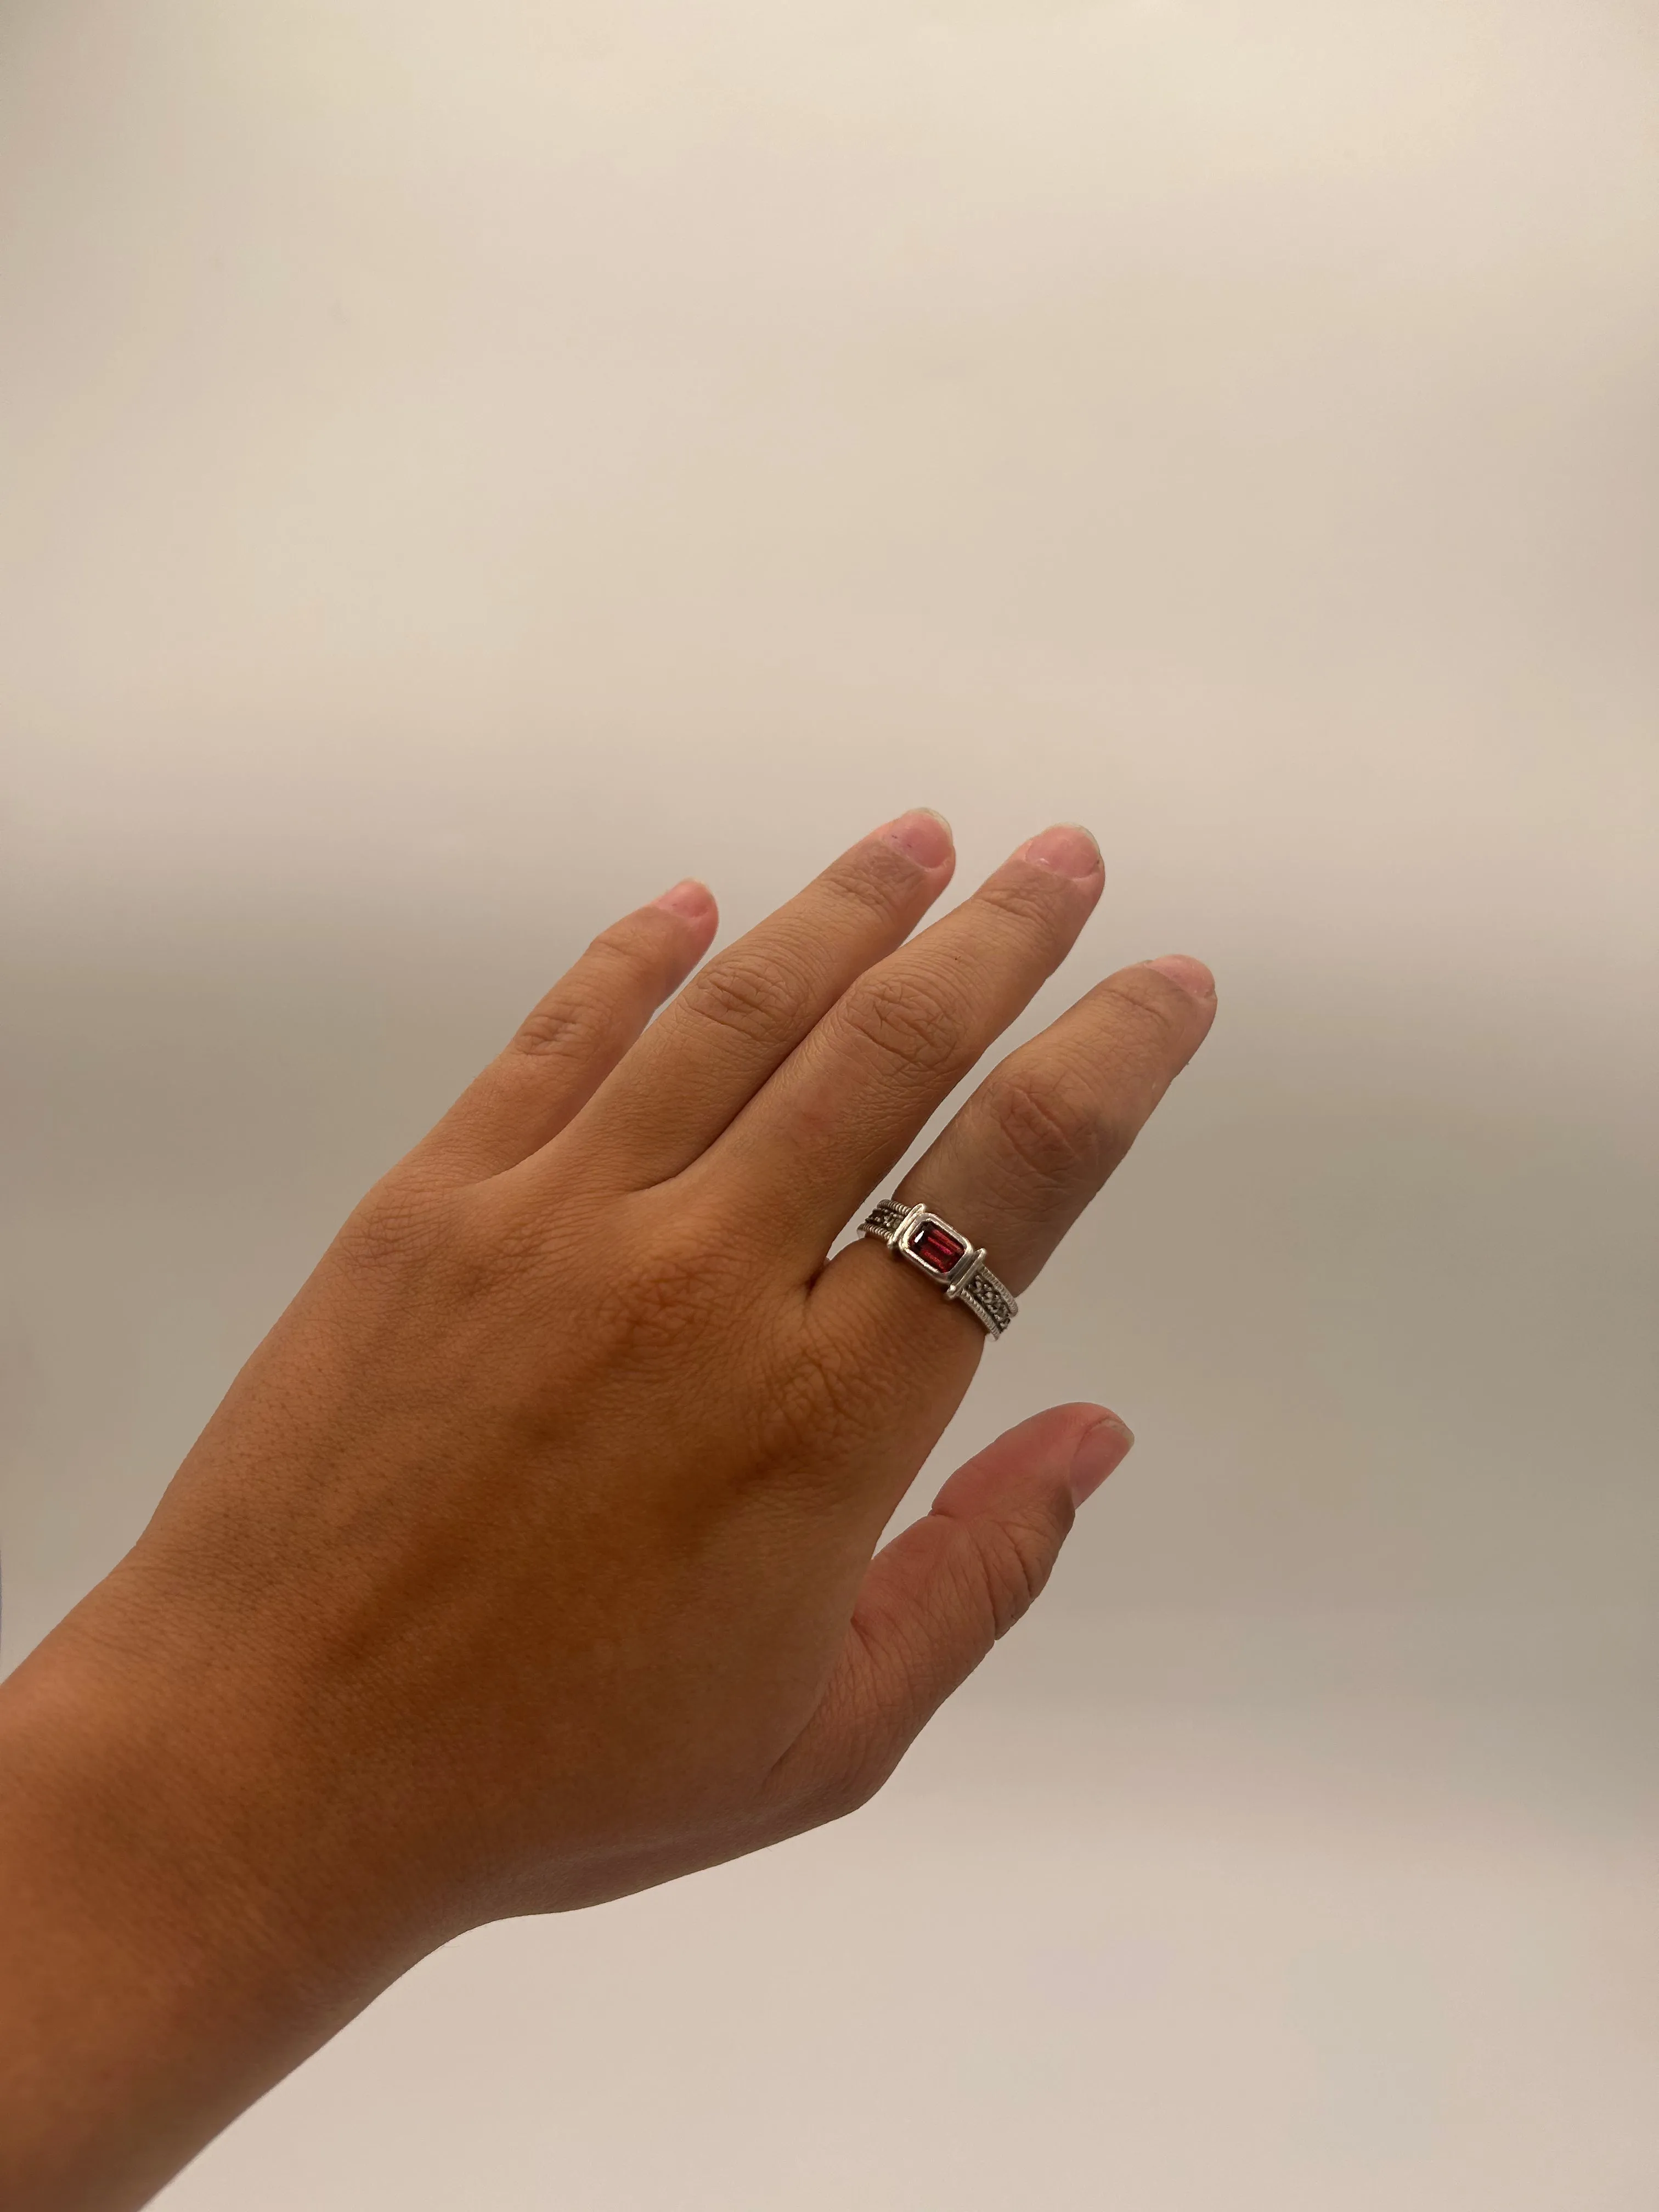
x=529, y=1560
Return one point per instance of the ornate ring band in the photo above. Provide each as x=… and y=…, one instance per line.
x=912, y=1233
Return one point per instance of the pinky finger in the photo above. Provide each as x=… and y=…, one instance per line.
x=569, y=1042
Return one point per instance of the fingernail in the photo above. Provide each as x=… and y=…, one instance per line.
x=1192, y=974
x=688, y=897
x=925, y=835
x=1099, y=1449
x=1067, y=847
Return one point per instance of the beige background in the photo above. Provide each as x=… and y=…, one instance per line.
x=462, y=467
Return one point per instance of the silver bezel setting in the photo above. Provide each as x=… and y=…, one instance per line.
x=968, y=1281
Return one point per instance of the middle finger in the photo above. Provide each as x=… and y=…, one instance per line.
x=851, y=1098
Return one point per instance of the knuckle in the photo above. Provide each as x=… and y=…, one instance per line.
x=1024, y=897
x=872, y=878
x=1052, y=1125
x=658, y=1311
x=567, y=1020
x=394, y=1225
x=1150, y=1007
x=619, y=940
x=684, y=1281
x=906, y=1021
x=509, y=1245
x=756, y=996
x=1012, y=1560
x=581, y=1010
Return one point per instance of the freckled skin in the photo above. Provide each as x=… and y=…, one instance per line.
x=529, y=1559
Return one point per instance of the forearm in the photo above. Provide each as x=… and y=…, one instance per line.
x=153, y=1981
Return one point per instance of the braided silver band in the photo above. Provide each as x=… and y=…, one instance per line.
x=912, y=1233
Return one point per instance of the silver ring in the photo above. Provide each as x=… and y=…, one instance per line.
x=913, y=1233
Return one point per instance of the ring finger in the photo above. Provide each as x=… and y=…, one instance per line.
x=1027, y=1152
x=849, y=1101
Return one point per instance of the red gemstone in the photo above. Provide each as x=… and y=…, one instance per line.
x=934, y=1243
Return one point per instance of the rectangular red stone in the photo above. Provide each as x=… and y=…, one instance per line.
x=935, y=1244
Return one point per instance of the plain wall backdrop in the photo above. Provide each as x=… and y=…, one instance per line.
x=464, y=467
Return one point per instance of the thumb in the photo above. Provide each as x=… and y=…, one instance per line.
x=936, y=1599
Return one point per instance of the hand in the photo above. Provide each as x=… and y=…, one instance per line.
x=528, y=1560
